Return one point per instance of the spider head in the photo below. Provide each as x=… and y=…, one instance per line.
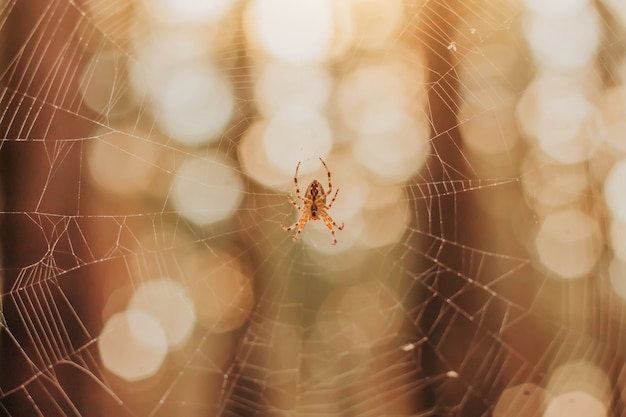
x=314, y=190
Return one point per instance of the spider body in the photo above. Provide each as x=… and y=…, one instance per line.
x=314, y=205
x=313, y=190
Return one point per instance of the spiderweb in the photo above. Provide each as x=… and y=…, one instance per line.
x=147, y=152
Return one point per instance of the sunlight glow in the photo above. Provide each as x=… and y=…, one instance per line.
x=575, y=404
x=253, y=158
x=132, y=345
x=372, y=98
x=188, y=11
x=550, y=185
x=147, y=162
x=195, y=105
x=282, y=86
x=344, y=31
x=161, y=55
x=569, y=243
x=377, y=102
x=298, y=135
x=555, y=8
x=207, y=190
x=167, y=301
x=375, y=23
x=579, y=389
x=292, y=30
x=564, y=42
x=191, y=100
x=557, y=110
x=561, y=126
x=386, y=225
x=396, y=154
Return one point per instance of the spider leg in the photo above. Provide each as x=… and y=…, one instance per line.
x=290, y=228
x=329, y=222
x=292, y=201
x=330, y=185
x=295, y=180
x=333, y=200
x=300, y=223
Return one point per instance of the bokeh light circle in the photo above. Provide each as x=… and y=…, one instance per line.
x=207, y=190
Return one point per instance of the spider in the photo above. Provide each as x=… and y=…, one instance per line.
x=315, y=207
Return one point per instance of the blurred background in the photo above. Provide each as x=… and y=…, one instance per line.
x=147, y=152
